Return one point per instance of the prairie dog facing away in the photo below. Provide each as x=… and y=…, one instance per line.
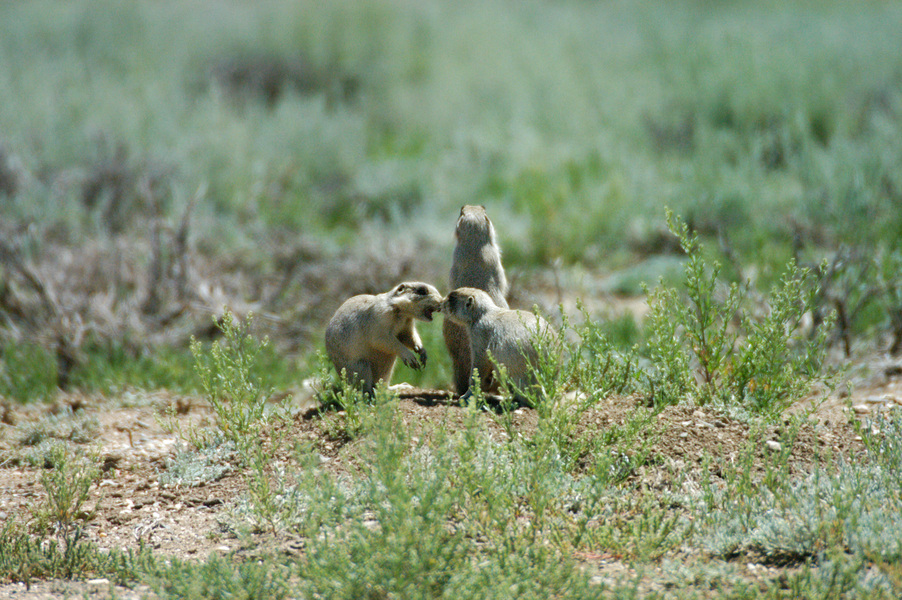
x=367, y=333
x=476, y=264
x=507, y=334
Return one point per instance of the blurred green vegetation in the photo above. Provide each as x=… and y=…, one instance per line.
x=576, y=121
x=771, y=127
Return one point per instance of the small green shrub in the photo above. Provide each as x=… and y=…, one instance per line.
x=853, y=509
x=68, y=485
x=25, y=558
x=201, y=465
x=601, y=364
x=709, y=345
x=232, y=383
x=218, y=577
x=77, y=427
x=344, y=396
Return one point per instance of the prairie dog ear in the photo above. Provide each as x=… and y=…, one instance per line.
x=469, y=302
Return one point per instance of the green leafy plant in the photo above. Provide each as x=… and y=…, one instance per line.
x=68, y=485
x=709, y=344
x=337, y=393
x=600, y=367
x=218, y=577
x=231, y=381
x=25, y=558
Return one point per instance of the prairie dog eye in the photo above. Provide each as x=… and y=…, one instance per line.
x=421, y=290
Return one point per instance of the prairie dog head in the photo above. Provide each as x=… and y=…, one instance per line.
x=474, y=226
x=467, y=305
x=415, y=299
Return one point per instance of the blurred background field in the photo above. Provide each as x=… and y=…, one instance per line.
x=161, y=159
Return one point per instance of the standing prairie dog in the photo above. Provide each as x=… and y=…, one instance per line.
x=367, y=333
x=476, y=264
x=509, y=336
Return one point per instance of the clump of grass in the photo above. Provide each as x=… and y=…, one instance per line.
x=68, y=485
x=76, y=427
x=344, y=396
x=234, y=382
x=231, y=381
x=851, y=511
x=198, y=466
x=25, y=558
x=217, y=577
x=707, y=344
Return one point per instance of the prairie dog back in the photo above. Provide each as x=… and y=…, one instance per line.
x=477, y=257
x=476, y=263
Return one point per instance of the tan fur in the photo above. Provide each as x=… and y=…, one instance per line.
x=367, y=333
x=507, y=335
x=476, y=264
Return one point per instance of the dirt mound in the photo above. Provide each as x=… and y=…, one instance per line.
x=137, y=503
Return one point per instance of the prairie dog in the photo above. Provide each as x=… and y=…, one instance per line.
x=367, y=333
x=507, y=334
x=476, y=264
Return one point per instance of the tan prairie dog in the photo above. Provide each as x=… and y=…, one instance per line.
x=476, y=264
x=367, y=333
x=509, y=336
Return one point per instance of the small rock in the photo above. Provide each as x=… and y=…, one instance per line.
x=772, y=445
x=98, y=581
x=718, y=423
x=861, y=409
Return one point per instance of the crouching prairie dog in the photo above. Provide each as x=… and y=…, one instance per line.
x=367, y=333
x=476, y=264
x=509, y=336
